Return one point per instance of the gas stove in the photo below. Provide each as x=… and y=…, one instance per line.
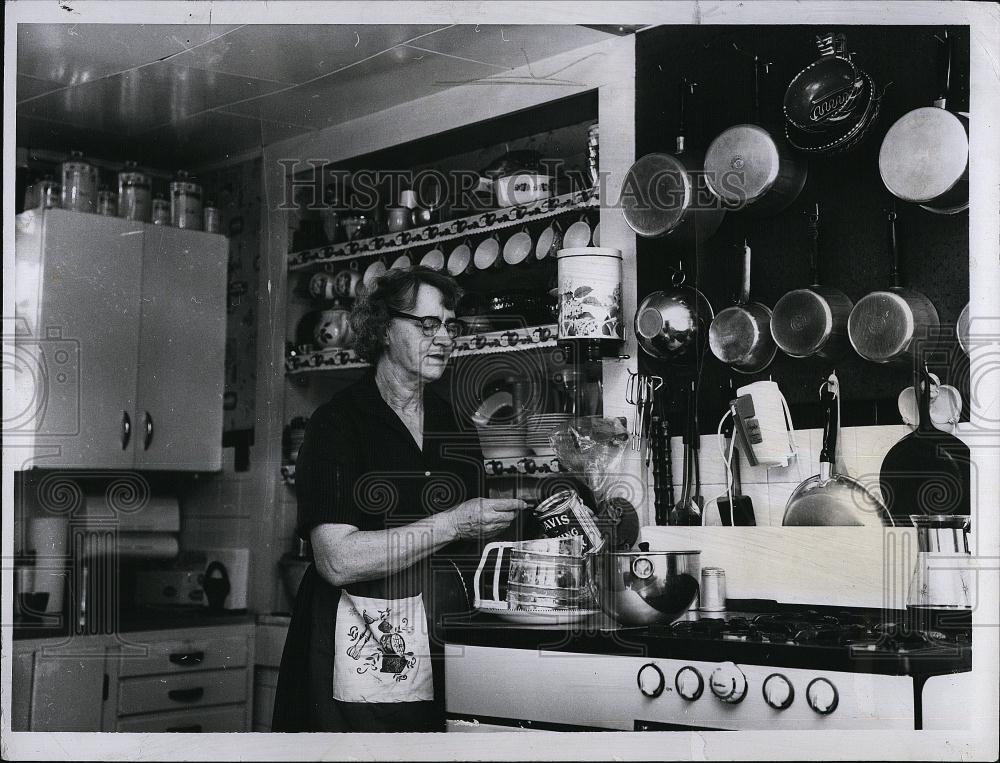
x=758, y=665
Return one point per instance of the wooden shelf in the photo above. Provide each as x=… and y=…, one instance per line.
x=483, y=222
x=511, y=340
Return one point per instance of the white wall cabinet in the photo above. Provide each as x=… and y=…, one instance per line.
x=120, y=343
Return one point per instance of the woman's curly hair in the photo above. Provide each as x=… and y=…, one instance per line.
x=396, y=290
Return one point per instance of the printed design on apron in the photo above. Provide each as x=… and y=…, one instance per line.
x=391, y=657
x=381, y=650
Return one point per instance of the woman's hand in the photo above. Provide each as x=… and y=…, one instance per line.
x=483, y=517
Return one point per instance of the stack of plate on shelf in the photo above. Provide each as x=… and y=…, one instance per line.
x=499, y=435
x=538, y=428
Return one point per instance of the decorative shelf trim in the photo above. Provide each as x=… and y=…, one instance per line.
x=483, y=222
x=512, y=340
x=540, y=465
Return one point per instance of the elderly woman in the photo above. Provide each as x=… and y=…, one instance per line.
x=388, y=479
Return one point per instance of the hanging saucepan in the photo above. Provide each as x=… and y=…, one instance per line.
x=813, y=320
x=740, y=336
x=827, y=92
x=673, y=324
x=666, y=194
x=962, y=329
x=829, y=498
x=750, y=167
x=927, y=472
x=924, y=157
x=885, y=326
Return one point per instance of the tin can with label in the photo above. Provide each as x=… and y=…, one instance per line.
x=564, y=514
x=107, y=203
x=713, y=590
x=79, y=184
x=212, y=218
x=161, y=210
x=135, y=194
x=185, y=203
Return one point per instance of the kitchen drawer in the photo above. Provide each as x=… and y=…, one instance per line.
x=228, y=718
x=184, y=656
x=210, y=687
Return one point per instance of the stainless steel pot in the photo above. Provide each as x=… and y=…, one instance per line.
x=740, y=336
x=813, y=320
x=666, y=194
x=644, y=587
x=924, y=157
x=886, y=326
x=829, y=498
x=673, y=324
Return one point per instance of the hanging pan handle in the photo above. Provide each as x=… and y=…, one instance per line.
x=831, y=421
x=893, y=245
x=944, y=56
x=744, y=295
x=812, y=230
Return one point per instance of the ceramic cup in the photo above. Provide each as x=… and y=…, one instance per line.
x=577, y=235
x=488, y=254
x=408, y=199
x=596, y=237
x=346, y=283
x=549, y=241
x=434, y=259
x=397, y=219
x=321, y=286
x=460, y=259
x=376, y=270
x=517, y=248
x=402, y=262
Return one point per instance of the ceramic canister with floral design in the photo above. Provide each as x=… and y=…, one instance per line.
x=590, y=293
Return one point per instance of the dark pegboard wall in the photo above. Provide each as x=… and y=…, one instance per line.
x=854, y=249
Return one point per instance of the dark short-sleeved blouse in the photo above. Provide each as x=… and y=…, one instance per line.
x=359, y=465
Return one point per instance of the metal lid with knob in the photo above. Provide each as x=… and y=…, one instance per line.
x=778, y=691
x=728, y=683
x=822, y=696
x=689, y=683
x=650, y=680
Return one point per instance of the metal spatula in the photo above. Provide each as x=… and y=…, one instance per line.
x=740, y=512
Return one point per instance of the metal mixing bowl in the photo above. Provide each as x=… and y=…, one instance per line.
x=645, y=587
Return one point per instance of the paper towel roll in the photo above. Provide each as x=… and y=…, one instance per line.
x=48, y=538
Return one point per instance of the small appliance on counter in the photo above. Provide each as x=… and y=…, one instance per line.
x=214, y=578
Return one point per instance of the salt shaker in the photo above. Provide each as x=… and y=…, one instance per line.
x=713, y=590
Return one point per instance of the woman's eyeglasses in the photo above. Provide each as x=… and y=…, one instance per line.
x=431, y=324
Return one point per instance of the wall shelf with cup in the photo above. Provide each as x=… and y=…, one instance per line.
x=509, y=340
x=429, y=235
x=540, y=465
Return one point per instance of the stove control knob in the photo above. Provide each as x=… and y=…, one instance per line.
x=778, y=691
x=822, y=696
x=689, y=683
x=651, y=681
x=728, y=683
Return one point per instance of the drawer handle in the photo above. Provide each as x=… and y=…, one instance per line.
x=187, y=695
x=187, y=658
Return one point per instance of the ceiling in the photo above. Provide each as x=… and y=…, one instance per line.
x=173, y=95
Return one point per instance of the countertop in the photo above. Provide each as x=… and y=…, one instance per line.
x=146, y=619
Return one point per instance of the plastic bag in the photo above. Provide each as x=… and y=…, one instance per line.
x=592, y=447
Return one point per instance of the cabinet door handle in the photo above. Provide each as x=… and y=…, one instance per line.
x=105, y=688
x=187, y=658
x=126, y=429
x=186, y=695
x=149, y=431
x=193, y=728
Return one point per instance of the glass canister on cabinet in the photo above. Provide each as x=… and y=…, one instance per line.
x=107, y=203
x=161, y=210
x=79, y=184
x=135, y=194
x=185, y=202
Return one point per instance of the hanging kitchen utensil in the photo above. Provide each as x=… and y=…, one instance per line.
x=844, y=135
x=945, y=405
x=673, y=324
x=813, y=320
x=886, y=326
x=924, y=157
x=739, y=512
x=927, y=472
x=666, y=194
x=740, y=336
x=687, y=511
x=750, y=167
x=825, y=93
x=830, y=498
x=663, y=488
